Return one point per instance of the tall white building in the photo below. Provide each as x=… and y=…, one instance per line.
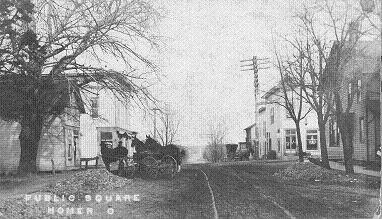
x=104, y=121
x=275, y=129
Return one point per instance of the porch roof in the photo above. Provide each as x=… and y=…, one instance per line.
x=120, y=131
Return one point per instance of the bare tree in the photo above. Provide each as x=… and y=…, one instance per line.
x=345, y=30
x=371, y=10
x=292, y=96
x=312, y=52
x=69, y=41
x=167, y=130
x=325, y=63
x=214, y=151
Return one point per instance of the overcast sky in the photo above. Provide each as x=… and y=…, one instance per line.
x=204, y=43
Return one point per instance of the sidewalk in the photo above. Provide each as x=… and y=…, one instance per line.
x=357, y=169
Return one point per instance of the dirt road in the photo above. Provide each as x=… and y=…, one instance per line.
x=229, y=190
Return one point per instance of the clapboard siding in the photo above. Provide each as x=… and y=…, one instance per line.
x=363, y=66
x=374, y=138
x=335, y=154
x=51, y=145
x=89, y=142
x=113, y=115
x=10, y=146
x=371, y=139
x=359, y=146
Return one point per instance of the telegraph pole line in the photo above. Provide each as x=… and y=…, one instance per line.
x=155, y=121
x=256, y=64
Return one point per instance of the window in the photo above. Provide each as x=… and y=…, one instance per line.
x=349, y=90
x=334, y=134
x=94, y=107
x=69, y=151
x=278, y=145
x=107, y=138
x=272, y=115
x=75, y=142
x=269, y=141
x=361, y=129
x=248, y=134
x=290, y=139
x=69, y=135
x=311, y=140
x=359, y=85
x=256, y=132
x=265, y=129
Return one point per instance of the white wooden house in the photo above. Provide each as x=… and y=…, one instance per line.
x=59, y=144
x=73, y=135
x=106, y=120
x=361, y=85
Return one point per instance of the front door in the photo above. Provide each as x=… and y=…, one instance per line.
x=270, y=144
x=290, y=141
x=71, y=146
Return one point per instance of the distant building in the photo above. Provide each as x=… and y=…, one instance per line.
x=275, y=130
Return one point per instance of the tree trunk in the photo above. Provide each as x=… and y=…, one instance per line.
x=323, y=146
x=345, y=123
x=299, y=145
x=346, y=129
x=31, y=128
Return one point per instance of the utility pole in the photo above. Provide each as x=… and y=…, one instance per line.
x=255, y=64
x=155, y=121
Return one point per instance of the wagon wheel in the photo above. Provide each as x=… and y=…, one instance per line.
x=168, y=166
x=150, y=167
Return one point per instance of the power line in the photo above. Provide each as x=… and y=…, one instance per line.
x=256, y=65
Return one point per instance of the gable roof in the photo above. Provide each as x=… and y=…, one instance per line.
x=249, y=127
x=365, y=59
x=271, y=91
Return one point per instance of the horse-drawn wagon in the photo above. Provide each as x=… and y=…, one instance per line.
x=150, y=160
x=238, y=152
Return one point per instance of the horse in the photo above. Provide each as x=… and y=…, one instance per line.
x=153, y=145
x=172, y=150
x=110, y=155
x=141, y=147
x=138, y=145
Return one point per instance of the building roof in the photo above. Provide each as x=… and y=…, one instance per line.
x=250, y=126
x=365, y=59
x=271, y=91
